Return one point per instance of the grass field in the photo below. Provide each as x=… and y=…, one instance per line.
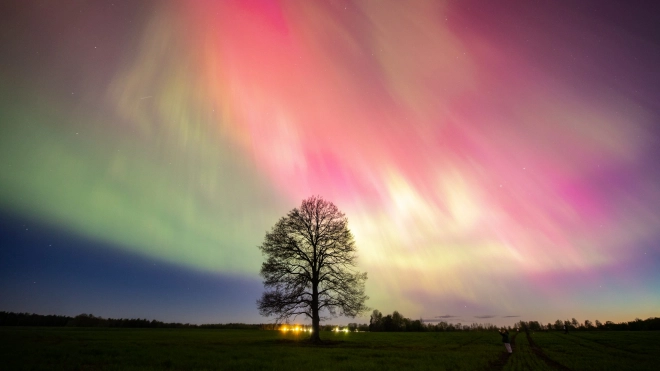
x=203, y=349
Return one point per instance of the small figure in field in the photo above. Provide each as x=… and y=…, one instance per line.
x=505, y=340
x=565, y=329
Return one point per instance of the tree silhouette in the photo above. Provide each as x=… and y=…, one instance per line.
x=310, y=266
x=397, y=321
x=376, y=321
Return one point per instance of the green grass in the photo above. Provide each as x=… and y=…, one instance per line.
x=200, y=349
x=203, y=349
x=602, y=350
x=523, y=357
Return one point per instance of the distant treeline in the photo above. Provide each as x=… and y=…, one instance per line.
x=90, y=320
x=397, y=322
x=649, y=324
x=378, y=322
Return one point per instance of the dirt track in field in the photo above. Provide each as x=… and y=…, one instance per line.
x=504, y=358
x=539, y=353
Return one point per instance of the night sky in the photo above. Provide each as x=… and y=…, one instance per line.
x=494, y=158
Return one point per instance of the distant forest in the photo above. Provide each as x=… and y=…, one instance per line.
x=394, y=322
x=90, y=320
x=397, y=322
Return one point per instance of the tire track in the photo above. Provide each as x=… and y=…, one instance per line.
x=499, y=363
x=539, y=353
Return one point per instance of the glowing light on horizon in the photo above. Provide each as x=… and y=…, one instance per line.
x=295, y=328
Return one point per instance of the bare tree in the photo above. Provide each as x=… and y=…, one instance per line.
x=310, y=266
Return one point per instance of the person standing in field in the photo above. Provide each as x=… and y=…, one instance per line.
x=505, y=340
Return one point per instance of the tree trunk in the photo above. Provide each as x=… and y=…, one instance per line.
x=315, y=338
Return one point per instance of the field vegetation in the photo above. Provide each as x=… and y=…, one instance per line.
x=75, y=348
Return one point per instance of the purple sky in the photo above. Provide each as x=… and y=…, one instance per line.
x=494, y=158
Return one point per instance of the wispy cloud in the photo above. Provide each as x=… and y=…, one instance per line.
x=485, y=316
x=446, y=316
x=510, y=316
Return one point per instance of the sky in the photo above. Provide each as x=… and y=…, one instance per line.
x=497, y=160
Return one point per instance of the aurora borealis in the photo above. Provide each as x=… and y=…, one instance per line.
x=494, y=158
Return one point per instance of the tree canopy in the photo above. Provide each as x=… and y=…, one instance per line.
x=310, y=266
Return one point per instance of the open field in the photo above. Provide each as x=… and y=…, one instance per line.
x=204, y=349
